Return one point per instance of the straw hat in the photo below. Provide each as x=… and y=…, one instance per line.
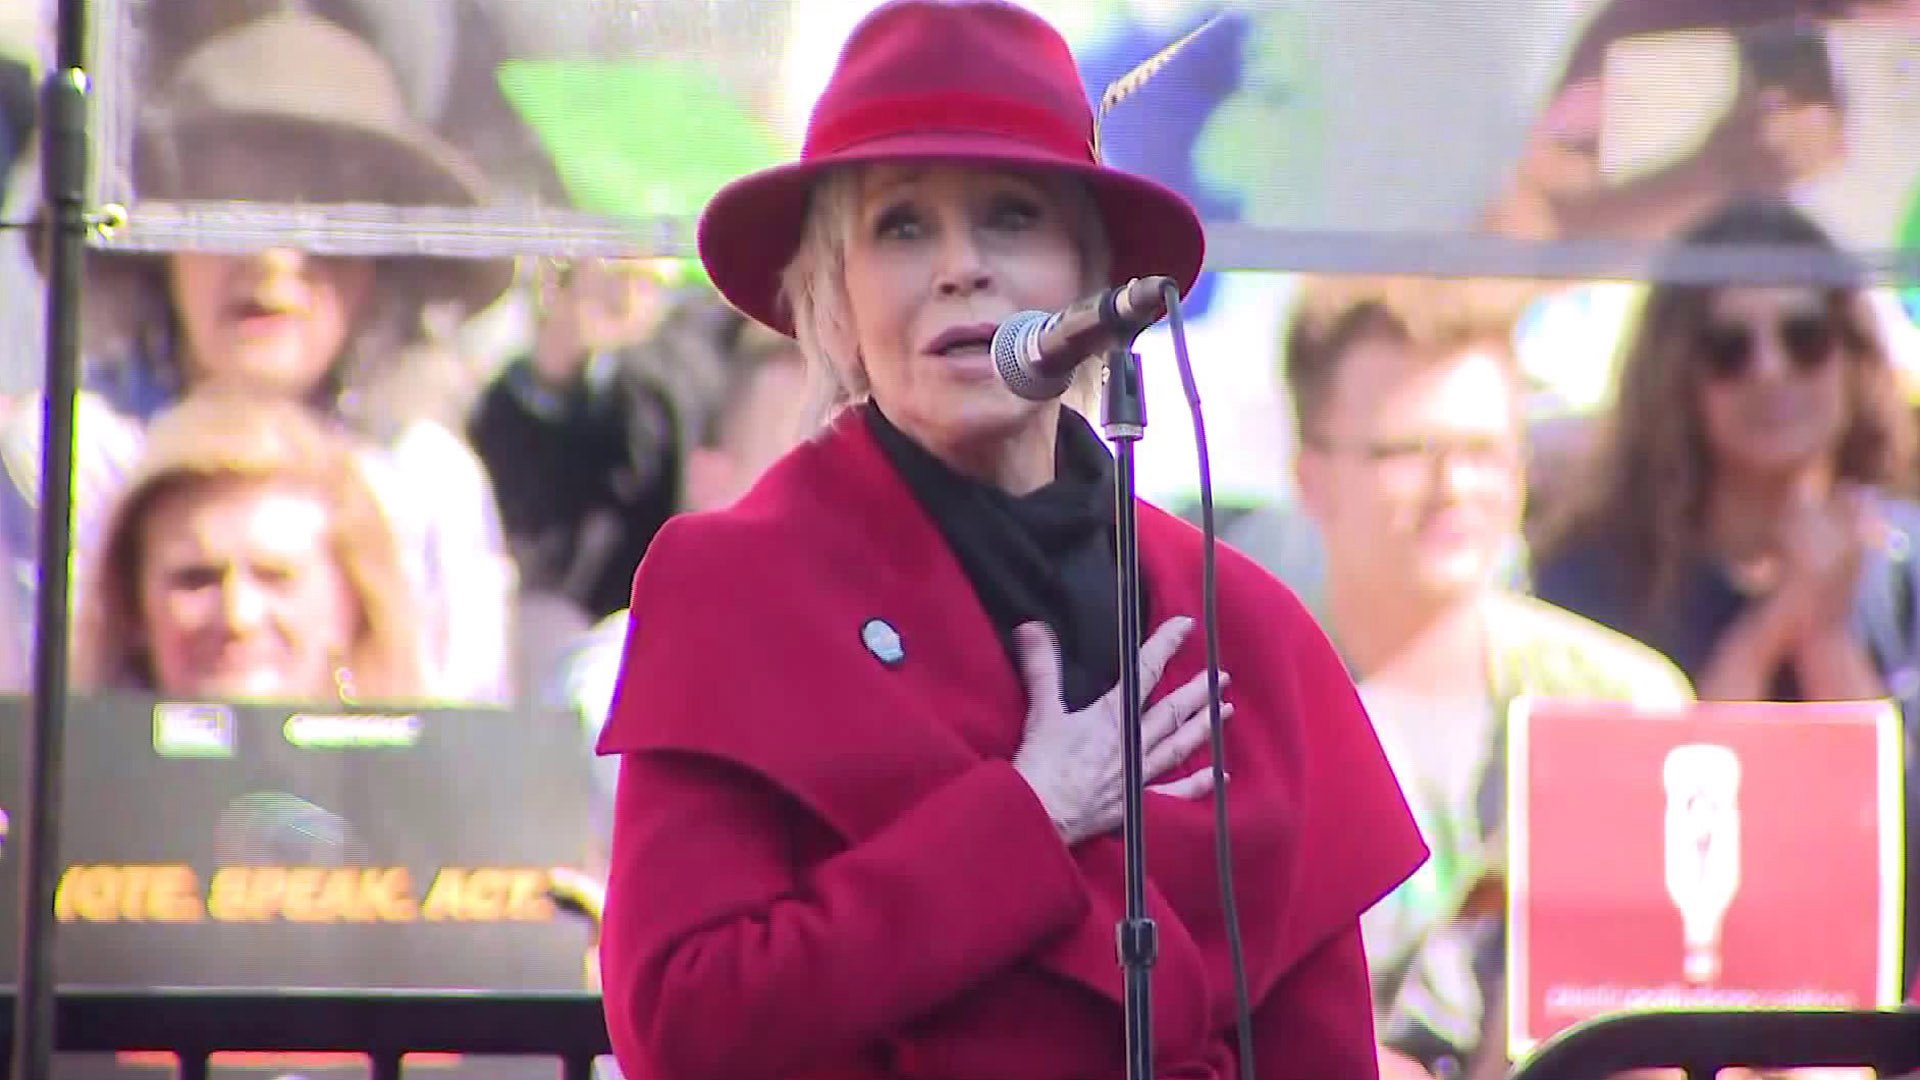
x=292, y=108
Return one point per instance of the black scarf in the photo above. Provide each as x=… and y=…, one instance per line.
x=1046, y=556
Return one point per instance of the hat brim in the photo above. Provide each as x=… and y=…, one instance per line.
x=407, y=169
x=752, y=227
x=340, y=161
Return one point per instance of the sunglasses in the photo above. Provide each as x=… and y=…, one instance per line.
x=1807, y=338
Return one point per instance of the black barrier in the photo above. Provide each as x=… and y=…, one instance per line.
x=384, y=1025
x=1703, y=1043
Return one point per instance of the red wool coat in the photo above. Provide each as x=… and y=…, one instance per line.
x=825, y=867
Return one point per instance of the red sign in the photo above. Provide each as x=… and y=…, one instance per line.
x=1733, y=855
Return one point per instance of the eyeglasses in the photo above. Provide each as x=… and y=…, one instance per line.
x=1807, y=338
x=1484, y=454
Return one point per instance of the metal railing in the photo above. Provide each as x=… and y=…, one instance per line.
x=383, y=1025
x=1703, y=1043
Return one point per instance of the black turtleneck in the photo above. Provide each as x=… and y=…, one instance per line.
x=1047, y=556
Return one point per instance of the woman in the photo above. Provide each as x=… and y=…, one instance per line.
x=247, y=559
x=1742, y=532
x=240, y=119
x=1743, y=513
x=848, y=841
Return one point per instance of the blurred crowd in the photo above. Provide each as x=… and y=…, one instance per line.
x=296, y=479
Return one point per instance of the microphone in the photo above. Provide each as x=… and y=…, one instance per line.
x=1037, y=351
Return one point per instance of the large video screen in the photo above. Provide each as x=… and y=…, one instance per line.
x=1535, y=137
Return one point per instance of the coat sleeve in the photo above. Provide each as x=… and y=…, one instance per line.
x=723, y=957
x=1356, y=841
x=1318, y=1021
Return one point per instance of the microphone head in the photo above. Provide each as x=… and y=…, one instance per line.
x=1014, y=357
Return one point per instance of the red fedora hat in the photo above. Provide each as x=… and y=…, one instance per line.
x=974, y=82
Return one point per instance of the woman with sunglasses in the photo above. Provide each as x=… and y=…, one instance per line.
x=1743, y=514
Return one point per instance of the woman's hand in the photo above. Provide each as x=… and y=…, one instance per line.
x=1805, y=617
x=1825, y=546
x=1822, y=545
x=1073, y=760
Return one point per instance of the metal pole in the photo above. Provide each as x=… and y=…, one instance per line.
x=1124, y=419
x=64, y=152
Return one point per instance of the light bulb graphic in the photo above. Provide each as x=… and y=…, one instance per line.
x=1703, y=848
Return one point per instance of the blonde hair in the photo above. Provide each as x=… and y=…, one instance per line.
x=215, y=437
x=814, y=293
x=1433, y=317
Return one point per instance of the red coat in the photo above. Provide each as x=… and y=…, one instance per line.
x=825, y=867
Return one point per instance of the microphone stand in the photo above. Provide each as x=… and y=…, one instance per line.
x=64, y=166
x=1124, y=420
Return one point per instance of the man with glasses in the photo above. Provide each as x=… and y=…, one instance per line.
x=1408, y=404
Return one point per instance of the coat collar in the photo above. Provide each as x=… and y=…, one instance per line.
x=754, y=613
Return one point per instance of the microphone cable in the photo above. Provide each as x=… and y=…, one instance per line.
x=1222, y=842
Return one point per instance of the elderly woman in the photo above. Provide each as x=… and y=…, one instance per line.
x=242, y=118
x=866, y=823
x=247, y=559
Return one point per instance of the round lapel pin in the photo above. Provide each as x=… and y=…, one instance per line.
x=883, y=641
